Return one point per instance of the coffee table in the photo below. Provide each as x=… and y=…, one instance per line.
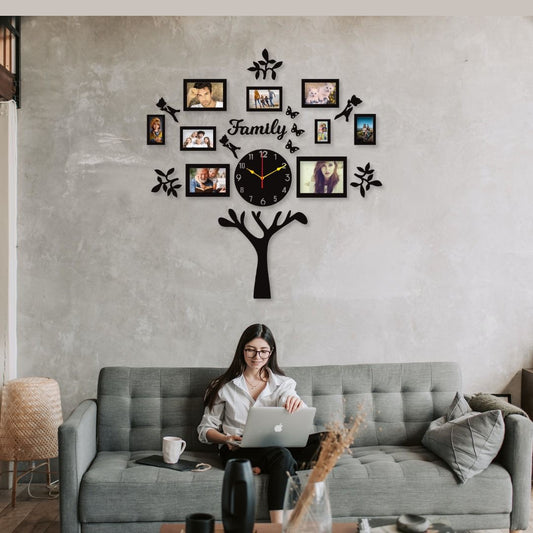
x=260, y=527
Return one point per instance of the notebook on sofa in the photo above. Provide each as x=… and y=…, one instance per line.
x=275, y=426
x=157, y=460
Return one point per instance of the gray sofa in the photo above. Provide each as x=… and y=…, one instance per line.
x=388, y=472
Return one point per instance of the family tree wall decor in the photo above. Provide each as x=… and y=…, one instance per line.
x=260, y=244
x=263, y=176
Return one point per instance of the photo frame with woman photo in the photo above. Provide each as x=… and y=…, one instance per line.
x=155, y=130
x=198, y=138
x=207, y=180
x=321, y=177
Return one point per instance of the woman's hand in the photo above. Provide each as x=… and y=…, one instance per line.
x=230, y=439
x=293, y=403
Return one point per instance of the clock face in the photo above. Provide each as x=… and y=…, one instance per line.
x=263, y=177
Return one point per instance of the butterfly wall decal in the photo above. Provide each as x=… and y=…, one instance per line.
x=291, y=147
x=291, y=113
x=296, y=130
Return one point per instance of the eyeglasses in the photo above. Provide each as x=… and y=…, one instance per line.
x=252, y=352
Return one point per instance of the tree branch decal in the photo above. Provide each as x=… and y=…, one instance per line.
x=367, y=179
x=170, y=186
x=260, y=244
x=265, y=65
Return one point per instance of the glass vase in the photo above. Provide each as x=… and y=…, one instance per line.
x=306, y=506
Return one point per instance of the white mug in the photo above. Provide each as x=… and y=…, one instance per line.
x=172, y=449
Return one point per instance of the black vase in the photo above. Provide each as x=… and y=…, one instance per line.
x=238, y=497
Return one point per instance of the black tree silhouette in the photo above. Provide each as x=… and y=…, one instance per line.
x=260, y=244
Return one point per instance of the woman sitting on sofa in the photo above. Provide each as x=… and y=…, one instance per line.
x=253, y=378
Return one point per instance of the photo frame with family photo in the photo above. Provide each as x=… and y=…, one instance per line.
x=204, y=94
x=207, y=180
x=155, y=130
x=320, y=93
x=264, y=98
x=365, y=129
x=198, y=138
x=321, y=177
x=323, y=131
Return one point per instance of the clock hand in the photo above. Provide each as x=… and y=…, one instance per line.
x=277, y=170
x=253, y=172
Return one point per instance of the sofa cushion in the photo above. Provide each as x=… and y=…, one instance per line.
x=115, y=488
x=392, y=480
x=468, y=443
x=458, y=407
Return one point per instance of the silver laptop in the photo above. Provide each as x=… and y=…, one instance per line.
x=275, y=426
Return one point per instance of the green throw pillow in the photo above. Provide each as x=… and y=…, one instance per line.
x=469, y=443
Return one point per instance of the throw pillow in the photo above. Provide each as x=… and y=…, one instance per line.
x=458, y=407
x=469, y=443
x=487, y=402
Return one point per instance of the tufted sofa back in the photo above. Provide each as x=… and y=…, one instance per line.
x=137, y=406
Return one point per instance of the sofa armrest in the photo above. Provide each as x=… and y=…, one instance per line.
x=77, y=449
x=515, y=456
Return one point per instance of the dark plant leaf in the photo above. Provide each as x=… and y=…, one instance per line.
x=175, y=193
x=225, y=222
x=257, y=75
x=300, y=217
x=367, y=166
x=353, y=184
x=261, y=62
x=169, y=191
x=377, y=183
x=156, y=188
x=170, y=171
x=362, y=191
x=361, y=169
x=278, y=64
x=265, y=54
x=177, y=186
x=159, y=179
x=367, y=186
x=358, y=175
x=273, y=75
x=251, y=69
x=165, y=187
x=160, y=172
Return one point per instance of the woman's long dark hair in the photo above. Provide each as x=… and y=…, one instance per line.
x=238, y=365
x=321, y=187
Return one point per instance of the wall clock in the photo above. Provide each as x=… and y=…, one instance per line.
x=263, y=177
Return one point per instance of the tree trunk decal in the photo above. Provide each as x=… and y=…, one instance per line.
x=260, y=244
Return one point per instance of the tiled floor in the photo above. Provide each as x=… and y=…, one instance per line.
x=42, y=515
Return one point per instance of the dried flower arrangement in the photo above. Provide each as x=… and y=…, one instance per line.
x=336, y=440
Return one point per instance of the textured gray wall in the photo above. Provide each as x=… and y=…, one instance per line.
x=436, y=265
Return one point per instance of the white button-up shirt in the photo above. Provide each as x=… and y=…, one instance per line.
x=233, y=401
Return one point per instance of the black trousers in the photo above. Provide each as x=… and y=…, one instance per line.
x=276, y=461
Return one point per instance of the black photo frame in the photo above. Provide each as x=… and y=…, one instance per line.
x=310, y=175
x=322, y=131
x=267, y=98
x=198, y=138
x=320, y=92
x=155, y=130
x=365, y=131
x=206, y=94
x=221, y=180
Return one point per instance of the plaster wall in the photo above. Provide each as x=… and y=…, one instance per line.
x=435, y=265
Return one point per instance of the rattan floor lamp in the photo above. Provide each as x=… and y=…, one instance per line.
x=30, y=414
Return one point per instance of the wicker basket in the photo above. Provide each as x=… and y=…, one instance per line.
x=30, y=414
